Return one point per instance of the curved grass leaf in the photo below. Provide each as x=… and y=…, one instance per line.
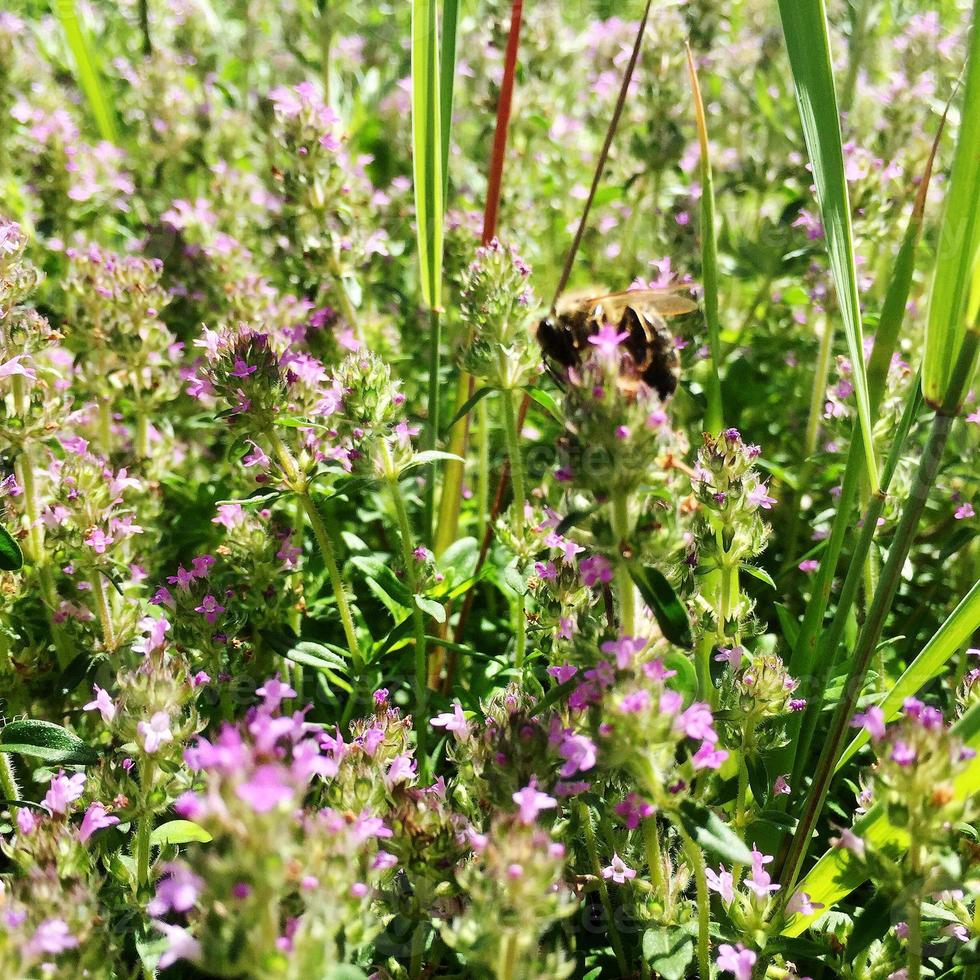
x=11, y=557
x=839, y=872
x=668, y=610
x=47, y=741
x=713, y=418
x=956, y=631
x=87, y=72
x=427, y=148
x=959, y=240
x=808, y=43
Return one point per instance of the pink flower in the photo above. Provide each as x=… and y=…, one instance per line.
x=708, y=757
x=177, y=891
x=16, y=366
x=850, y=842
x=98, y=540
x=624, y=647
x=607, y=340
x=873, y=722
x=964, y=511
x=731, y=655
x=266, y=790
x=274, y=692
x=210, y=608
x=181, y=945
x=229, y=515
x=759, y=497
x=530, y=802
x=634, y=809
x=736, y=960
x=453, y=721
x=256, y=457
x=101, y=703
x=63, y=791
x=26, y=821
x=563, y=672
x=618, y=871
x=51, y=937
x=760, y=881
x=809, y=565
x=781, y=787
x=95, y=819
x=696, y=722
x=723, y=883
x=800, y=904
x=156, y=731
x=595, y=570
x=579, y=753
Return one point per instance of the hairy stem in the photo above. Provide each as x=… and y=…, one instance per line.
x=696, y=860
x=103, y=610
x=585, y=818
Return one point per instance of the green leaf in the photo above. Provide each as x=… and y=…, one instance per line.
x=47, y=741
x=808, y=43
x=447, y=76
x=686, y=680
x=668, y=610
x=952, y=635
x=669, y=950
x=712, y=834
x=839, y=872
x=959, y=240
x=11, y=557
x=430, y=456
x=427, y=149
x=435, y=609
x=468, y=405
x=320, y=656
x=760, y=573
x=179, y=832
x=546, y=400
x=87, y=69
x=788, y=624
x=713, y=418
x=378, y=574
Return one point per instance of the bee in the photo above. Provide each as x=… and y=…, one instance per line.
x=641, y=313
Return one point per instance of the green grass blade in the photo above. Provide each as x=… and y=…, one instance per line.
x=87, y=72
x=427, y=148
x=838, y=872
x=956, y=631
x=805, y=29
x=714, y=416
x=447, y=78
x=959, y=242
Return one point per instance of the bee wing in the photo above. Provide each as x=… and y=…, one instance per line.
x=668, y=302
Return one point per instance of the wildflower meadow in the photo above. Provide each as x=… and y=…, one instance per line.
x=489, y=489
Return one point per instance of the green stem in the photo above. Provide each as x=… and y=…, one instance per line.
x=483, y=473
x=8, y=778
x=297, y=483
x=517, y=514
x=508, y=957
x=432, y=429
x=915, y=917
x=516, y=463
x=585, y=818
x=624, y=581
x=651, y=841
x=696, y=860
x=105, y=425
x=144, y=826
x=702, y=666
x=418, y=621
x=103, y=610
x=141, y=438
x=336, y=582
